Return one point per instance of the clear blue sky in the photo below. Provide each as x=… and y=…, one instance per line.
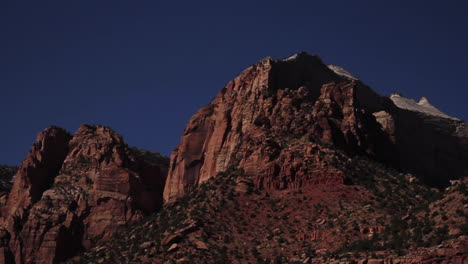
x=144, y=67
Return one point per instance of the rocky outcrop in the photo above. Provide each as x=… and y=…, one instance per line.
x=259, y=114
x=35, y=175
x=72, y=192
x=423, y=106
x=275, y=104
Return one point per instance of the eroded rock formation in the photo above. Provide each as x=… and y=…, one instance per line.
x=256, y=117
x=71, y=192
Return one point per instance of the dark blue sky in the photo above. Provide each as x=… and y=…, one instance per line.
x=144, y=67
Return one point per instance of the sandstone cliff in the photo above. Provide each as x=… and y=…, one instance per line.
x=73, y=191
x=254, y=118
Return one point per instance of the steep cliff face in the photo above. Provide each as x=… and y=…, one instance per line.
x=434, y=148
x=432, y=144
x=72, y=192
x=37, y=172
x=35, y=175
x=264, y=110
x=276, y=104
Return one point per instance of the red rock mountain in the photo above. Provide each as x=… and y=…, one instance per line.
x=253, y=119
x=73, y=191
x=293, y=160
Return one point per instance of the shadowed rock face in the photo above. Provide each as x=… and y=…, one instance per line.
x=260, y=113
x=37, y=172
x=434, y=148
x=35, y=175
x=72, y=192
x=432, y=144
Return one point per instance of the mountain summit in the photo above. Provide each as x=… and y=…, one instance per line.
x=256, y=117
x=423, y=106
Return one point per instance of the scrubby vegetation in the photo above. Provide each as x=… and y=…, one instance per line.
x=235, y=222
x=6, y=176
x=150, y=157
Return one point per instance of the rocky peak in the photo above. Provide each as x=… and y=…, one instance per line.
x=35, y=175
x=423, y=101
x=342, y=72
x=298, y=56
x=423, y=106
x=96, y=146
x=276, y=104
x=72, y=192
x=37, y=171
x=269, y=104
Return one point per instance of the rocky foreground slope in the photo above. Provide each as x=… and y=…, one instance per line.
x=293, y=162
x=385, y=217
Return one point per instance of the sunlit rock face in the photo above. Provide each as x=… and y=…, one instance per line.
x=423, y=106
